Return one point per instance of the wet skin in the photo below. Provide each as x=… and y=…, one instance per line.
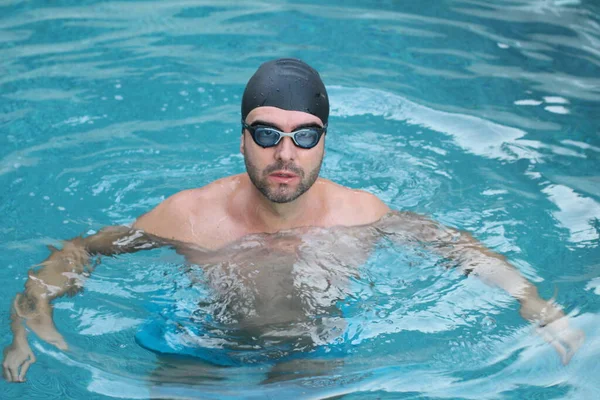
x=265, y=282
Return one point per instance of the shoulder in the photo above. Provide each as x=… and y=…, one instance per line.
x=353, y=206
x=176, y=216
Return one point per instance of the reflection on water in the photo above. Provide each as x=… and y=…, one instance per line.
x=481, y=115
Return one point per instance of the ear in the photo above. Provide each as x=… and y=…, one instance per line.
x=242, y=142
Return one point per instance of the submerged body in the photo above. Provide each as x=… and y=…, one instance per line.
x=264, y=298
x=264, y=280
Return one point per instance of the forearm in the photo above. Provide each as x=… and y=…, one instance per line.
x=65, y=270
x=495, y=270
x=114, y=240
x=471, y=258
x=62, y=272
x=17, y=327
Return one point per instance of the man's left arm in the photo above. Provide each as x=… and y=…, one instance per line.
x=473, y=258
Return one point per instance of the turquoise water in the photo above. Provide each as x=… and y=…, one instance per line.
x=484, y=116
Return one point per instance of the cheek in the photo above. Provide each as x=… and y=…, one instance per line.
x=316, y=157
x=258, y=155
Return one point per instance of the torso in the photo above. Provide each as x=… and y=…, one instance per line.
x=281, y=285
x=262, y=280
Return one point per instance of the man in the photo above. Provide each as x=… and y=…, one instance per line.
x=279, y=212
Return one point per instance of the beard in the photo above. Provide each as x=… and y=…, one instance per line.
x=281, y=193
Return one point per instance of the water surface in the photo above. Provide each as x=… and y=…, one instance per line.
x=483, y=116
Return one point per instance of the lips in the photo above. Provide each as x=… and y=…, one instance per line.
x=283, y=174
x=283, y=177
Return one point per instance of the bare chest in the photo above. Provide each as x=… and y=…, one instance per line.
x=273, y=278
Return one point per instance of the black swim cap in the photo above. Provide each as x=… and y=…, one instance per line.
x=289, y=84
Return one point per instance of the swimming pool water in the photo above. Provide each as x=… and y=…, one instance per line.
x=484, y=116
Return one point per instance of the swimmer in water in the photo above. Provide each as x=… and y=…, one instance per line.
x=279, y=212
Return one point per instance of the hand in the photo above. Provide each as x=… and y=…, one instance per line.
x=18, y=357
x=553, y=326
x=565, y=340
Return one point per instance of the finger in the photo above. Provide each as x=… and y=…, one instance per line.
x=573, y=342
x=6, y=373
x=14, y=373
x=24, y=368
x=550, y=337
x=562, y=351
x=567, y=357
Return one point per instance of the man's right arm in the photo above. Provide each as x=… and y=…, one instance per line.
x=63, y=272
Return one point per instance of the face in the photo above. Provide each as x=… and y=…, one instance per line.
x=284, y=172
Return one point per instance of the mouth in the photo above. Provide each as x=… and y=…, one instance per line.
x=283, y=176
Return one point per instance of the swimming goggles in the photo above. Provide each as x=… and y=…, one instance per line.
x=267, y=136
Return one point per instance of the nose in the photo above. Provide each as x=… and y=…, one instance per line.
x=285, y=150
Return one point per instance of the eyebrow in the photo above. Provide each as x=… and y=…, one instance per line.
x=301, y=126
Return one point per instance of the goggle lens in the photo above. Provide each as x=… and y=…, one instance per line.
x=266, y=137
